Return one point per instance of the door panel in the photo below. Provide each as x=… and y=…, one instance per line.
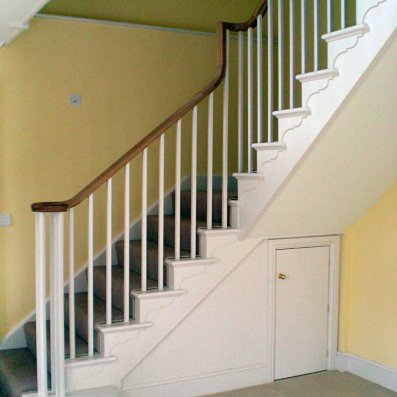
x=301, y=311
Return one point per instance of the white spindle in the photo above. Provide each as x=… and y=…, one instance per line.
x=303, y=36
x=225, y=136
x=316, y=34
x=259, y=90
x=280, y=54
x=291, y=54
x=127, y=244
x=160, y=278
x=178, y=191
x=144, y=223
x=72, y=328
x=342, y=14
x=109, y=253
x=250, y=97
x=193, y=208
x=57, y=254
x=41, y=322
x=269, y=71
x=210, y=158
x=240, y=99
x=90, y=275
x=329, y=16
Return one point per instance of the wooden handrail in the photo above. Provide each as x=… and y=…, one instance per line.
x=63, y=206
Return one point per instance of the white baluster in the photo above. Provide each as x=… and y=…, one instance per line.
x=316, y=35
x=269, y=71
x=303, y=36
x=193, y=204
x=160, y=277
x=210, y=158
x=329, y=16
x=144, y=223
x=72, y=327
x=225, y=136
x=342, y=14
x=259, y=82
x=280, y=54
x=178, y=191
x=127, y=244
x=41, y=322
x=250, y=98
x=240, y=99
x=291, y=54
x=109, y=253
x=90, y=275
x=57, y=300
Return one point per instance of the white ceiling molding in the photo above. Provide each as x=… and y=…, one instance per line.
x=15, y=16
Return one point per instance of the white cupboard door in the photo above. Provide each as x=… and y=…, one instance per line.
x=301, y=322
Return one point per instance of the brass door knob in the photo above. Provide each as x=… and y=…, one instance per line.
x=282, y=276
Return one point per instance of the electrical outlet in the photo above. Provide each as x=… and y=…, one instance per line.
x=5, y=220
x=75, y=100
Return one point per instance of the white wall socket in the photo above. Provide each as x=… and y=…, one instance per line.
x=5, y=220
x=75, y=100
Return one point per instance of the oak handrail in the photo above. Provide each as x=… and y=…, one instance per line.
x=63, y=206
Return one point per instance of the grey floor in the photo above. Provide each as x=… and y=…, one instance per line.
x=322, y=384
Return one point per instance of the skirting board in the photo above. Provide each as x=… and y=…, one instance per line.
x=369, y=370
x=214, y=382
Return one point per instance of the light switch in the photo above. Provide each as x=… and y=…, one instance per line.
x=75, y=100
x=5, y=220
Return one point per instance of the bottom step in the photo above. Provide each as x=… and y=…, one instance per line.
x=17, y=372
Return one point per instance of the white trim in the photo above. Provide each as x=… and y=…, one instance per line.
x=203, y=384
x=333, y=242
x=367, y=369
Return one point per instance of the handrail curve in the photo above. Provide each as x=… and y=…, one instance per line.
x=63, y=206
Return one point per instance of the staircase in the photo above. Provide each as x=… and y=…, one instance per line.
x=133, y=305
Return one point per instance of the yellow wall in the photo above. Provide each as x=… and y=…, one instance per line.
x=129, y=80
x=369, y=279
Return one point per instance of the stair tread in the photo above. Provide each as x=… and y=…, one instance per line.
x=117, y=285
x=30, y=334
x=18, y=372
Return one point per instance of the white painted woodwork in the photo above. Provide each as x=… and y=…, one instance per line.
x=259, y=70
x=342, y=14
x=270, y=89
x=178, y=190
x=41, y=321
x=329, y=17
x=160, y=263
x=291, y=53
x=72, y=330
x=316, y=35
x=144, y=223
x=210, y=155
x=301, y=312
x=90, y=276
x=109, y=253
x=225, y=135
x=127, y=177
x=250, y=97
x=303, y=36
x=193, y=187
x=240, y=105
x=280, y=48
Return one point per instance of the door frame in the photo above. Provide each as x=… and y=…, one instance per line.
x=333, y=242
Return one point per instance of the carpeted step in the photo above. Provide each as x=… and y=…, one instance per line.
x=169, y=231
x=18, y=372
x=152, y=256
x=117, y=285
x=30, y=334
x=81, y=315
x=202, y=204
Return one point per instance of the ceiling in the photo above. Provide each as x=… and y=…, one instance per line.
x=186, y=14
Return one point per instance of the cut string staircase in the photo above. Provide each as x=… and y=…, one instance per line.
x=86, y=327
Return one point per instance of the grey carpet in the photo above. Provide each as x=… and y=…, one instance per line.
x=323, y=384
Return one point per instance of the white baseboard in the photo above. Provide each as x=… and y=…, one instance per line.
x=202, y=384
x=369, y=370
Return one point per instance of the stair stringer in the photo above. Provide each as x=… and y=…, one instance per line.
x=128, y=348
x=351, y=56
